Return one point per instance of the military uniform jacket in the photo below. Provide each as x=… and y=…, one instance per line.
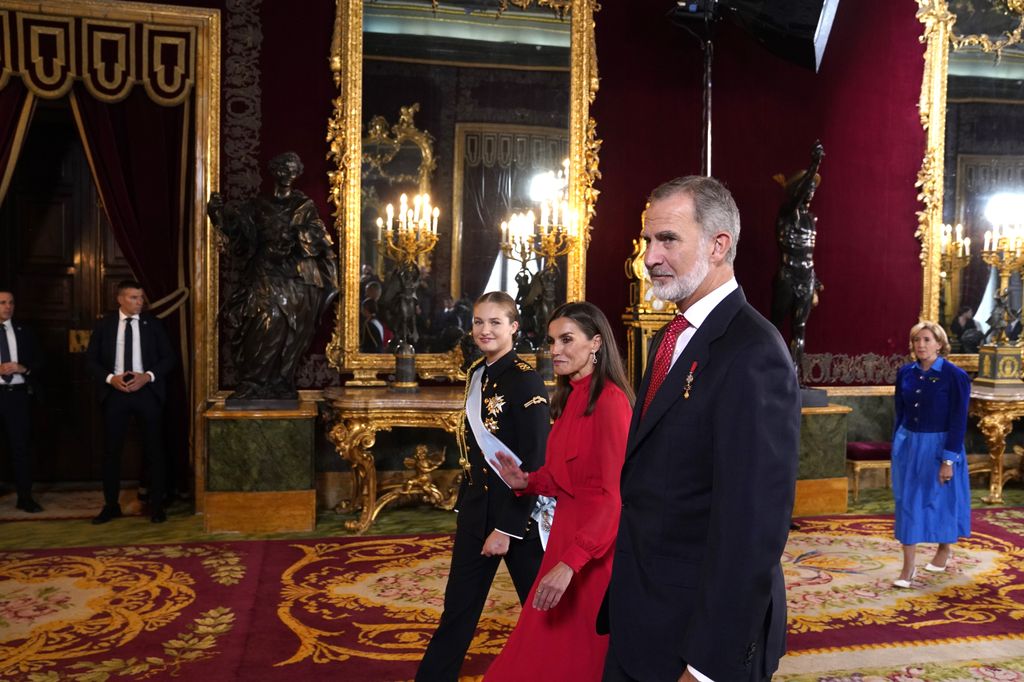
x=514, y=407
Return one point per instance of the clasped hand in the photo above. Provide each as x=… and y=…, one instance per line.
x=510, y=471
x=9, y=368
x=129, y=382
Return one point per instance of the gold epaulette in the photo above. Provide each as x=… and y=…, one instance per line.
x=523, y=366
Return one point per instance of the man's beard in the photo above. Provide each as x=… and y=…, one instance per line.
x=682, y=286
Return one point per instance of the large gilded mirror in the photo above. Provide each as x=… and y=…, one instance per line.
x=972, y=179
x=467, y=101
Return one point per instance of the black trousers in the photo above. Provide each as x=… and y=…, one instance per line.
x=118, y=408
x=614, y=672
x=469, y=581
x=15, y=415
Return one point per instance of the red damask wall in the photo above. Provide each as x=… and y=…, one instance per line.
x=767, y=114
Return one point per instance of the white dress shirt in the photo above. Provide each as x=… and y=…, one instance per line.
x=136, y=367
x=698, y=312
x=12, y=341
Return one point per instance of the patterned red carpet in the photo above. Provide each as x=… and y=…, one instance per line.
x=363, y=608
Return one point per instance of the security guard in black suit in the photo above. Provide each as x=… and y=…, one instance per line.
x=514, y=407
x=20, y=360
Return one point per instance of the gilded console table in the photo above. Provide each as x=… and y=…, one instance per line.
x=995, y=421
x=357, y=414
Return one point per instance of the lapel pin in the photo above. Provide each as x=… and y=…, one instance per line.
x=689, y=381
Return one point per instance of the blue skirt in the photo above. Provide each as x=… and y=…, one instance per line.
x=926, y=510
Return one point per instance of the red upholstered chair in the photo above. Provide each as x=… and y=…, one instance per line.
x=862, y=455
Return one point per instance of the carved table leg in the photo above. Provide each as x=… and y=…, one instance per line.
x=353, y=439
x=995, y=428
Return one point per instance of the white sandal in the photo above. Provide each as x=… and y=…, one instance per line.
x=905, y=584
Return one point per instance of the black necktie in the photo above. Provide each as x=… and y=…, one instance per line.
x=129, y=345
x=5, y=352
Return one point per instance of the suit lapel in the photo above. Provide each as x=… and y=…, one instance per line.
x=696, y=351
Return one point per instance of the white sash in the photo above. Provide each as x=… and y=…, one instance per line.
x=490, y=444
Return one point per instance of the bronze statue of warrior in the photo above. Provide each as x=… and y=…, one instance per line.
x=289, y=278
x=796, y=285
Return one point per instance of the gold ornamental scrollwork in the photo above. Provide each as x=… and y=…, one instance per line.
x=995, y=421
x=357, y=414
x=938, y=23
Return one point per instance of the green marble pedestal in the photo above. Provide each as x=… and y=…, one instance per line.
x=259, y=469
x=821, y=476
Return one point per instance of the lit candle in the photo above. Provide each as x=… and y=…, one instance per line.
x=436, y=213
x=391, y=217
x=967, y=247
x=504, y=232
x=380, y=228
x=554, y=214
x=544, y=210
x=988, y=240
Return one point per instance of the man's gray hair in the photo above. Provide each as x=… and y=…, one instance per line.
x=714, y=209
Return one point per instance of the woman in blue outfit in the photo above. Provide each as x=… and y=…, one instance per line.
x=929, y=467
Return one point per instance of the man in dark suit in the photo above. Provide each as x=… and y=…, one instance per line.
x=697, y=588
x=130, y=358
x=20, y=360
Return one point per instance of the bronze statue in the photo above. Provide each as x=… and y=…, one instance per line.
x=796, y=286
x=288, y=279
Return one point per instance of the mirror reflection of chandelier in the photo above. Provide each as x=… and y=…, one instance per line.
x=523, y=239
x=415, y=232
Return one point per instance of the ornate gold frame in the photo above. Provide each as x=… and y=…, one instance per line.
x=939, y=38
x=344, y=136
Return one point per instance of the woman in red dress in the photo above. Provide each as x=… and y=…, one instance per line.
x=555, y=638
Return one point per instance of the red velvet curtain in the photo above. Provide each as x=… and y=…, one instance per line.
x=16, y=106
x=138, y=152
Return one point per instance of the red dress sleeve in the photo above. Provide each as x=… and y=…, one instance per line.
x=596, y=478
x=540, y=483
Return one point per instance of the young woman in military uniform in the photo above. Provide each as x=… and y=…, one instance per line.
x=508, y=399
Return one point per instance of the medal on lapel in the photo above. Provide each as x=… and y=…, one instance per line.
x=689, y=381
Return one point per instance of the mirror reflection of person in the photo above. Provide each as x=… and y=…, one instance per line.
x=21, y=357
x=508, y=399
x=130, y=357
x=592, y=407
x=963, y=321
x=930, y=483
x=374, y=335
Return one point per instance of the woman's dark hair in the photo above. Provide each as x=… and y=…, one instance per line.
x=502, y=299
x=592, y=322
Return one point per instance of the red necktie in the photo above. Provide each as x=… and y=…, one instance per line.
x=663, y=358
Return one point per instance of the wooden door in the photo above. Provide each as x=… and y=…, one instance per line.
x=64, y=264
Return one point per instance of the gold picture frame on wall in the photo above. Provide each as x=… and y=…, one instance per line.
x=345, y=133
x=961, y=41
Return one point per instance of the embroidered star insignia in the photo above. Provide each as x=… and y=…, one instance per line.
x=494, y=404
x=491, y=424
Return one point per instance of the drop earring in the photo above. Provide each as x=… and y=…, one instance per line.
x=593, y=356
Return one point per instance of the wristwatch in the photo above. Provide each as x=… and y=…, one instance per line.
x=947, y=462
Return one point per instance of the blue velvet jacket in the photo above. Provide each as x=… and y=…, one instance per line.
x=933, y=402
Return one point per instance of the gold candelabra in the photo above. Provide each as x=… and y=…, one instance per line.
x=413, y=234
x=954, y=255
x=1003, y=250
